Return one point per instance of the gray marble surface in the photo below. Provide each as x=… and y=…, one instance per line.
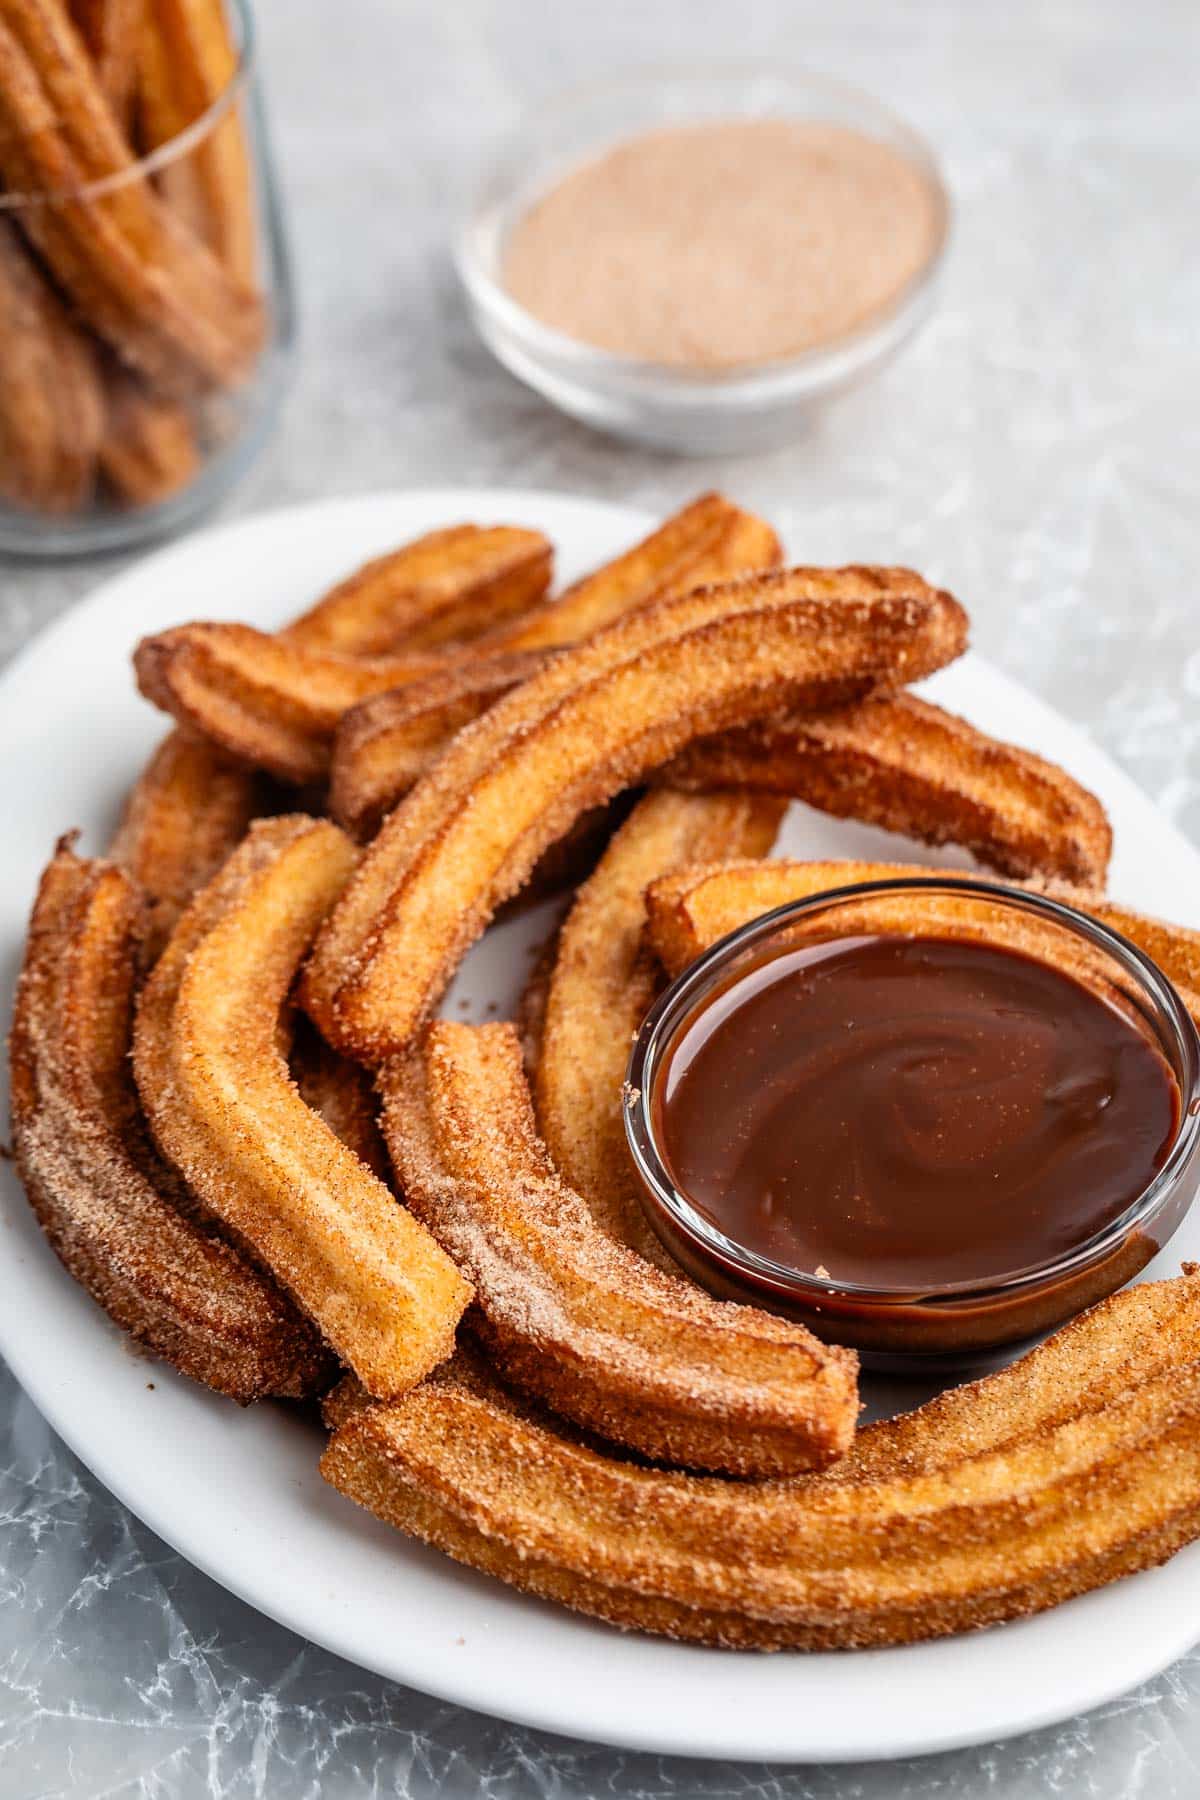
x=1037, y=450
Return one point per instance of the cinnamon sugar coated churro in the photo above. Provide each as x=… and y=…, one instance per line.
x=567, y=1312
x=1078, y=1465
x=385, y=744
x=275, y=703
x=217, y=1093
x=690, y=909
x=187, y=61
x=144, y=282
x=444, y=587
x=578, y=732
x=116, y=1216
x=899, y=762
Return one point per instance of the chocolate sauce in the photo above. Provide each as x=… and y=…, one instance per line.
x=909, y=1112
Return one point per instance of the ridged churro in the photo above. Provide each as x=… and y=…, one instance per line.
x=385, y=744
x=689, y=910
x=274, y=703
x=221, y=1104
x=587, y=726
x=1077, y=1465
x=118, y=1218
x=707, y=541
x=641, y=1357
x=442, y=588
x=268, y=703
x=896, y=761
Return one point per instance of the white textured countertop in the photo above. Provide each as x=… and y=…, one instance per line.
x=1038, y=451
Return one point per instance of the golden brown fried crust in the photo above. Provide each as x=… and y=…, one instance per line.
x=642, y=1357
x=192, y=804
x=149, y=449
x=601, y=983
x=142, y=280
x=225, y=1111
x=109, y=1209
x=186, y=59
x=384, y=745
x=898, y=762
x=586, y=727
x=707, y=541
x=111, y=30
x=340, y=1092
x=186, y=813
x=1077, y=1465
x=51, y=408
x=687, y=911
x=446, y=587
x=265, y=701
x=275, y=703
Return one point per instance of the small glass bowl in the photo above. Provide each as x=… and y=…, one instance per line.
x=960, y=1323
x=107, y=453
x=755, y=407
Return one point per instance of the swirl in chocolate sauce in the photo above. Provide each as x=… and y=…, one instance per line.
x=912, y=1112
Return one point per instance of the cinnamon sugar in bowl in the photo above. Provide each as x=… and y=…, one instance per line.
x=695, y=259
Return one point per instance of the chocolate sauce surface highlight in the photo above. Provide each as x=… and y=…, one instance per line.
x=911, y=1112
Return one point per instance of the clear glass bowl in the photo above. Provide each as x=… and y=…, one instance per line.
x=149, y=319
x=964, y=1322
x=674, y=409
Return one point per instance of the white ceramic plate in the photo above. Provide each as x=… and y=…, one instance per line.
x=237, y=1492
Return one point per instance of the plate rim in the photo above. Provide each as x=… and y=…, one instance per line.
x=1127, y=1669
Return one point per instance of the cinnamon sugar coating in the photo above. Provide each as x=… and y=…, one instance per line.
x=640, y=1356
x=117, y=1217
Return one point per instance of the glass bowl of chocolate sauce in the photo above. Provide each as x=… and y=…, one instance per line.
x=930, y=1119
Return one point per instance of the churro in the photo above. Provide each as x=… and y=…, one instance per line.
x=264, y=701
x=385, y=744
x=118, y=1218
x=216, y=1090
x=896, y=761
x=690, y=909
x=1077, y=1465
x=707, y=541
x=445, y=587
x=641, y=1357
x=274, y=703
x=582, y=729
